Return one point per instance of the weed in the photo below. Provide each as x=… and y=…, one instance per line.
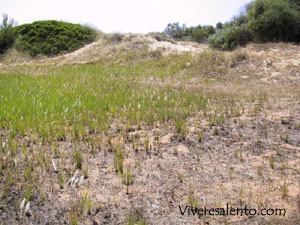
x=284, y=137
x=60, y=180
x=272, y=162
x=147, y=144
x=128, y=178
x=134, y=219
x=284, y=189
x=200, y=135
x=193, y=201
x=28, y=193
x=180, y=177
x=216, y=131
x=181, y=128
x=175, y=151
x=78, y=159
x=85, y=172
x=74, y=214
x=89, y=206
x=119, y=160
x=259, y=171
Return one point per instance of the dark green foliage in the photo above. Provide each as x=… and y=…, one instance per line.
x=7, y=34
x=219, y=25
x=262, y=21
x=174, y=30
x=200, y=34
x=230, y=38
x=52, y=37
x=274, y=20
x=295, y=4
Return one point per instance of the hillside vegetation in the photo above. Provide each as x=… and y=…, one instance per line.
x=45, y=37
x=261, y=21
x=52, y=37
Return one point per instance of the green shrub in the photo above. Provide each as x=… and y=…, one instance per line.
x=201, y=34
x=230, y=38
x=52, y=37
x=274, y=20
x=7, y=34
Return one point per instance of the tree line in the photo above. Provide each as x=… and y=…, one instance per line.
x=261, y=21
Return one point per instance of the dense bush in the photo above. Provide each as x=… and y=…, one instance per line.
x=229, y=38
x=274, y=20
x=7, y=34
x=201, y=34
x=52, y=37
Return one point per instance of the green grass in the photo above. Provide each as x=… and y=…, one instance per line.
x=78, y=104
x=86, y=96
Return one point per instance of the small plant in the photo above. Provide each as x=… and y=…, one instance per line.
x=241, y=195
x=93, y=147
x=284, y=137
x=78, y=159
x=284, y=189
x=259, y=171
x=200, y=135
x=136, y=145
x=216, y=131
x=82, y=202
x=180, y=177
x=119, y=160
x=175, y=151
x=85, y=172
x=89, y=206
x=181, y=128
x=265, y=129
x=147, y=144
x=43, y=197
x=60, y=180
x=128, y=178
x=28, y=193
x=198, y=155
x=193, y=201
x=134, y=219
x=74, y=213
x=272, y=162
x=60, y=135
x=283, y=167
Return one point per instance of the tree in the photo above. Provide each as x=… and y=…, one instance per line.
x=200, y=34
x=174, y=30
x=219, y=25
x=7, y=33
x=274, y=20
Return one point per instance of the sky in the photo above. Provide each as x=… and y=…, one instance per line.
x=124, y=16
